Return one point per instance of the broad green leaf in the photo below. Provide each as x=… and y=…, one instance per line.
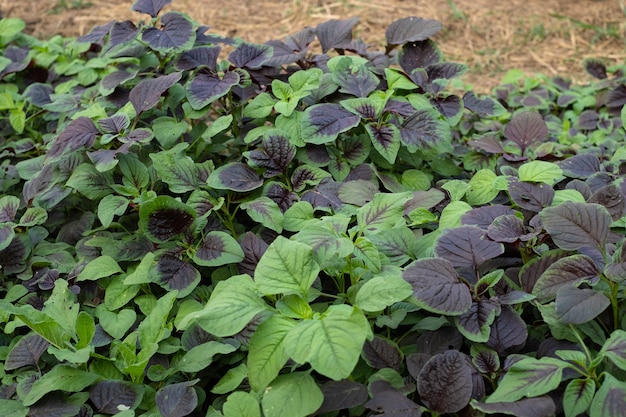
x=39, y=322
x=577, y=396
x=218, y=125
x=529, y=377
x=297, y=215
x=614, y=348
x=85, y=329
x=241, y=404
x=294, y=395
x=33, y=216
x=89, y=182
x=383, y=212
x=267, y=354
x=452, y=213
x=168, y=131
x=134, y=172
x=416, y=180
x=153, y=328
x=102, y=266
x=305, y=80
x=265, y=211
x=322, y=341
x=397, y=80
x=294, y=306
x=260, y=106
x=397, y=244
x=118, y=293
x=143, y=273
x=540, y=171
x=610, y=400
x=231, y=379
x=201, y=356
x=233, y=303
x=115, y=324
x=59, y=378
x=287, y=267
x=329, y=246
x=381, y=292
x=218, y=248
x=176, y=169
x=13, y=408
x=367, y=255
x=456, y=188
x=482, y=188
x=62, y=306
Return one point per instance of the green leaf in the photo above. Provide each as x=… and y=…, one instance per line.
x=118, y=293
x=62, y=306
x=9, y=28
x=322, y=341
x=201, y=356
x=153, y=328
x=13, y=408
x=60, y=378
x=85, y=329
x=232, y=305
x=610, y=400
x=529, y=377
x=540, y=171
x=614, y=348
x=218, y=248
x=111, y=206
x=452, y=213
x=383, y=212
x=17, y=118
x=176, y=169
x=265, y=211
x=294, y=395
x=482, y=188
x=287, y=267
x=39, y=322
x=231, y=379
x=168, y=131
x=241, y=404
x=577, y=397
x=397, y=80
x=33, y=216
x=381, y=292
x=260, y=106
x=294, y=306
x=297, y=215
x=143, y=273
x=267, y=354
x=134, y=172
x=89, y=182
x=102, y=266
x=115, y=324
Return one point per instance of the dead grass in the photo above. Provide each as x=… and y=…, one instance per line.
x=492, y=37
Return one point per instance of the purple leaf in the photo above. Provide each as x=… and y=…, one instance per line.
x=164, y=217
x=114, y=124
x=177, y=400
x=612, y=198
x=359, y=82
x=467, y=246
x=275, y=155
x=54, y=405
x=253, y=249
x=281, y=195
x=151, y=7
x=419, y=54
x=576, y=225
x=568, y=271
x=323, y=122
x=437, y=286
x=507, y=331
x=526, y=128
x=578, y=306
x=580, y=166
x=530, y=196
x=335, y=34
x=440, y=340
x=474, y=323
x=411, y=29
x=79, y=133
x=235, y=176
x=595, y=68
x=484, y=216
x=205, y=88
x=147, y=93
x=122, y=32
x=340, y=395
x=305, y=175
x=385, y=139
x=18, y=59
x=381, y=353
x=176, y=33
x=391, y=402
x=445, y=70
x=445, y=382
x=202, y=56
x=324, y=196
x=110, y=397
x=450, y=107
x=250, y=55
x=176, y=274
x=424, y=129
x=111, y=81
x=26, y=352
x=507, y=229
x=38, y=94
x=485, y=106
x=485, y=359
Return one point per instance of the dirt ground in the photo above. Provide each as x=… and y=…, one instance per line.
x=490, y=36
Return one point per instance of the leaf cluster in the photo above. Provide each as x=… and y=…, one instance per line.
x=196, y=225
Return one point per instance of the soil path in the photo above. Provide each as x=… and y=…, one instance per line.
x=490, y=36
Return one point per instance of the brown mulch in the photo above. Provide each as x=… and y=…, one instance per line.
x=490, y=36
